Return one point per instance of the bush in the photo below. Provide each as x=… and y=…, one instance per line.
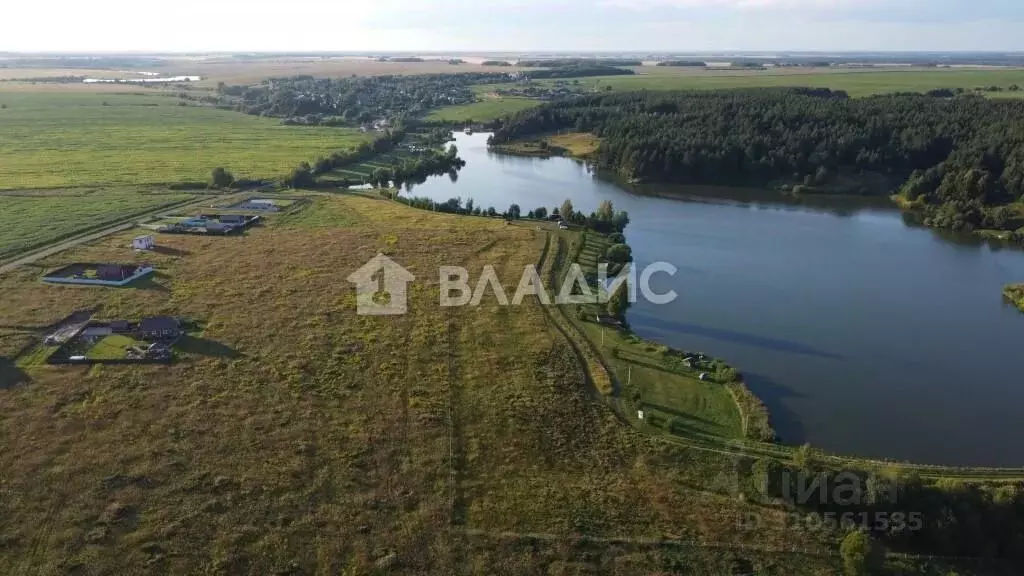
x=860, y=556
x=221, y=178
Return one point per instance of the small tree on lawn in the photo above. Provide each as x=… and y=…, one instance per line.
x=221, y=178
x=861, y=557
x=618, y=302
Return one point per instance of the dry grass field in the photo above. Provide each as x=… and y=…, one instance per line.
x=234, y=71
x=295, y=437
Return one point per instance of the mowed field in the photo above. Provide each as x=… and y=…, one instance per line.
x=856, y=82
x=295, y=436
x=63, y=139
x=239, y=71
x=29, y=219
x=484, y=111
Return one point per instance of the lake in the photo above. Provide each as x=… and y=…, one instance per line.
x=863, y=334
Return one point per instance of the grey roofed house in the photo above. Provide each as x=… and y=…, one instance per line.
x=111, y=272
x=160, y=327
x=219, y=227
x=232, y=219
x=120, y=326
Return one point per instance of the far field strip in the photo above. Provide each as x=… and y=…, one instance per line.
x=125, y=224
x=67, y=139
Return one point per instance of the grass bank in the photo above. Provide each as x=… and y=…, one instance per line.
x=487, y=110
x=573, y=144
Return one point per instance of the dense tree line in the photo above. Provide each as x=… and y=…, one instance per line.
x=683, y=63
x=899, y=509
x=578, y=62
x=417, y=170
x=959, y=160
x=576, y=72
x=304, y=175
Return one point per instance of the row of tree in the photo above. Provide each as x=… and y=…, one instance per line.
x=417, y=170
x=961, y=158
x=905, y=512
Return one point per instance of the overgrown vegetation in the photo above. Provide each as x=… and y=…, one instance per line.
x=961, y=158
x=1015, y=293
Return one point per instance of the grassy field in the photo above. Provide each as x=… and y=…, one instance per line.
x=483, y=111
x=856, y=82
x=51, y=140
x=307, y=439
x=28, y=220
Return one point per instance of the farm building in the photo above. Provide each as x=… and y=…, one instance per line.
x=159, y=328
x=144, y=243
x=260, y=204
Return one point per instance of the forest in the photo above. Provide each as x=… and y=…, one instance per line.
x=958, y=160
x=683, y=63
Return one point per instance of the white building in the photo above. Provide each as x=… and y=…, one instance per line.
x=144, y=243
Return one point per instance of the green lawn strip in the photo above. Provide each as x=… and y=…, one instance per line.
x=37, y=356
x=113, y=347
x=484, y=111
x=675, y=402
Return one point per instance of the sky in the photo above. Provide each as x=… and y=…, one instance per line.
x=513, y=25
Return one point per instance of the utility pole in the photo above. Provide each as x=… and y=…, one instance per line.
x=629, y=376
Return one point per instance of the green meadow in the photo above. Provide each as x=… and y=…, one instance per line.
x=61, y=139
x=855, y=82
x=484, y=111
x=31, y=220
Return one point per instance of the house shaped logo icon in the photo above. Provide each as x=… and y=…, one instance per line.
x=381, y=287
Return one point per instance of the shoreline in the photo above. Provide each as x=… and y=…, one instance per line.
x=547, y=146
x=1015, y=294
x=754, y=416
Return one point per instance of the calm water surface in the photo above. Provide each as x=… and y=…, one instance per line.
x=862, y=334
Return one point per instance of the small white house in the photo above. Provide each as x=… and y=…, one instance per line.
x=144, y=243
